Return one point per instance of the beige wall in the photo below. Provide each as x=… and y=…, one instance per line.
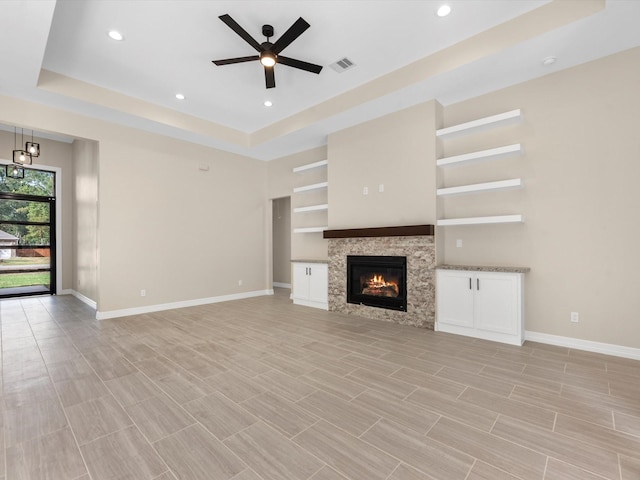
x=282, y=181
x=85, y=225
x=281, y=208
x=53, y=154
x=398, y=151
x=581, y=166
x=165, y=226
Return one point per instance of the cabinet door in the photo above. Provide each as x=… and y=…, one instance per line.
x=318, y=283
x=497, y=302
x=301, y=281
x=455, y=298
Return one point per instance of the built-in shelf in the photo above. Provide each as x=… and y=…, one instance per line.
x=491, y=153
x=309, y=229
x=481, y=220
x=477, y=124
x=315, y=186
x=311, y=208
x=310, y=166
x=481, y=187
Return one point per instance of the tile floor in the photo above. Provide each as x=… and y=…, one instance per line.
x=262, y=389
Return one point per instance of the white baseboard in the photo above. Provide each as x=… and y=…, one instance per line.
x=282, y=285
x=125, y=312
x=80, y=297
x=587, y=345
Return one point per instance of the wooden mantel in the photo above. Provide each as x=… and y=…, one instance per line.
x=405, y=231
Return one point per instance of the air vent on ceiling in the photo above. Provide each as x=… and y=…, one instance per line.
x=342, y=65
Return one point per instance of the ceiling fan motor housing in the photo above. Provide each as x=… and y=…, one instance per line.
x=267, y=31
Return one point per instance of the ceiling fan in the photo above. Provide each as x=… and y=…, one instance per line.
x=269, y=53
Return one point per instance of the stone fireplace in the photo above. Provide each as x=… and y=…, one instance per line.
x=414, y=244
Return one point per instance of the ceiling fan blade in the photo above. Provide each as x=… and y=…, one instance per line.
x=292, y=62
x=233, y=25
x=269, y=77
x=290, y=35
x=229, y=61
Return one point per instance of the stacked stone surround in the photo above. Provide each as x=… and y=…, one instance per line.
x=421, y=263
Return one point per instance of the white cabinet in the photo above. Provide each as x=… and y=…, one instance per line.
x=486, y=305
x=311, y=284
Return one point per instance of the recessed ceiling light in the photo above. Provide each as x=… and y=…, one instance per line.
x=443, y=10
x=547, y=61
x=268, y=103
x=115, y=35
x=179, y=96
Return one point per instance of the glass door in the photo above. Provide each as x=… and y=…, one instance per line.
x=27, y=234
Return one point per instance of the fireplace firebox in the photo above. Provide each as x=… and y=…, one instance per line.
x=377, y=281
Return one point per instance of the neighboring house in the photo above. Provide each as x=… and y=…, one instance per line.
x=7, y=239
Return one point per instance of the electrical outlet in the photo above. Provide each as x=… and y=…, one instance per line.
x=459, y=243
x=239, y=283
x=575, y=317
x=381, y=188
x=365, y=190
x=143, y=293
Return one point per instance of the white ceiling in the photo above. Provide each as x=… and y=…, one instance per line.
x=169, y=45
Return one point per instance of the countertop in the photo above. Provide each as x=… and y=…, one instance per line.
x=302, y=260
x=481, y=268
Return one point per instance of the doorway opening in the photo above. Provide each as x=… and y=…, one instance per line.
x=281, y=244
x=28, y=233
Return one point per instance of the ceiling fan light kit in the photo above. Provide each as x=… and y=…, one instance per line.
x=269, y=53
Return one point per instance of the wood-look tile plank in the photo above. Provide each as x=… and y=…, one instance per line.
x=221, y=416
x=284, y=385
x=483, y=471
x=473, y=380
x=341, y=387
x=327, y=473
x=375, y=381
x=340, y=367
x=464, y=412
x=405, y=472
x=157, y=367
x=71, y=369
x=96, y=418
x=195, y=454
x=602, y=437
x=629, y=468
x=429, y=382
x=512, y=408
x=421, y=452
x=82, y=389
x=627, y=423
x=402, y=412
x=380, y=366
x=285, y=416
x=287, y=366
x=521, y=379
x=235, y=386
x=52, y=456
x=554, y=444
x=158, y=417
x=599, y=400
x=502, y=454
x=183, y=387
x=596, y=384
x=557, y=470
x=349, y=416
x=133, y=388
x=552, y=401
x=347, y=454
x=33, y=420
x=123, y=454
x=272, y=454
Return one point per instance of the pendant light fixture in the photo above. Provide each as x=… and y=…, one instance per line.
x=14, y=171
x=21, y=157
x=32, y=148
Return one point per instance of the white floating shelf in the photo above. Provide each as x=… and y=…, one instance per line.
x=315, y=186
x=481, y=220
x=310, y=229
x=480, y=155
x=311, y=208
x=481, y=187
x=310, y=166
x=481, y=122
